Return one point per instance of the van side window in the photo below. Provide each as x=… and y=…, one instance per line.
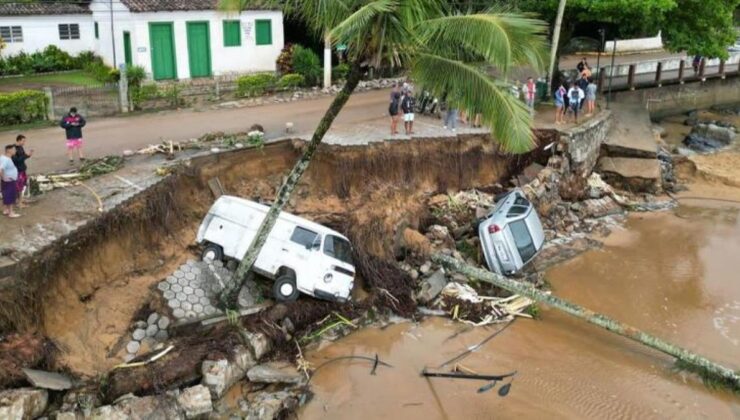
x=303, y=236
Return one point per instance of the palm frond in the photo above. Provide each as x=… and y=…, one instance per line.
x=501, y=39
x=469, y=88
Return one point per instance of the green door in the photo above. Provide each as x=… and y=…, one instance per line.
x=162, y=46
x=199, y=49
x=127, y=47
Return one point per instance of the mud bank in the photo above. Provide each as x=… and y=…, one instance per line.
x=84, y=290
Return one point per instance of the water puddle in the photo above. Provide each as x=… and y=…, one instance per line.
x=671, y=274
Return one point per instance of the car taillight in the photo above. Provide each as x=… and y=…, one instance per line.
x=493, y=229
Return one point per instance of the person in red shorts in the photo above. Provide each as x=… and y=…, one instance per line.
x=21, y=155
x=72, y=124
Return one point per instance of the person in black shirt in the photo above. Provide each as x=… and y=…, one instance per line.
x=408, y=103
x=582, y=65
x=19, y=160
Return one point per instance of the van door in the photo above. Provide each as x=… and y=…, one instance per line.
x=299, y=251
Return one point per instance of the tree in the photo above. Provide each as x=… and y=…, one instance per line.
x=703, y=27
x=445, y=51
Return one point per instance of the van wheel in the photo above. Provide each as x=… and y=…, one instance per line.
x=285, y=289
x=212, y=252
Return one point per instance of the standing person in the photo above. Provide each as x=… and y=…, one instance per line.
x=451, y=118
x=407, y=106
x=591, y=97
x=586, y=71
x=530, y=91
x=72, y=124
x=9, y=181
x=582, y=84
x=695, y=63
x=575, y=96
x=19, y=160
x=394, y=109
x=560, y=95
x=582, y=65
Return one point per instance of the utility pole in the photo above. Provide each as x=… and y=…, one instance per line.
x=555, y=41
x=112, y=34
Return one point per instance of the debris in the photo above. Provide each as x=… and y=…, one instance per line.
x=195, y=401
x=460, y=375
x=23, y=403
x=220, y=375
x=268, y=405
x=48, y=380
x=376, y=362
x=144, y=363
x=274, y=372
x=432, y=286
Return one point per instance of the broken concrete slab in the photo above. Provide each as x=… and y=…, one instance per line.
x=268, y=405
x=599, y=207
x=432, y=286
x=48, y=380
x=23, y=403
x=195, y=401
x=631, y=174
x=275, y=372
x=220, y=375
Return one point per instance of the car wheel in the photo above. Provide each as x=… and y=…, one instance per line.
x=285, y=289
x=212, y=252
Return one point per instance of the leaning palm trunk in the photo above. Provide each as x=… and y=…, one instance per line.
x=228, y=295
x=697, y=362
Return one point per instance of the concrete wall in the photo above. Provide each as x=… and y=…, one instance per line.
x=677, y=99
x=636, y=45
x=42, y=31
x=246, y=58
x=673, y=64
x=584, y=142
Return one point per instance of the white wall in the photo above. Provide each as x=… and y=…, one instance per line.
x=636, y=44
x=249, y=57
x=122, y=21
x=41, y=31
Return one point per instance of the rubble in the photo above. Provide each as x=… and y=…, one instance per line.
x=220, y=375
x=266, y=405
x=48, y=380
x=23, y=403
x=431, y=286
x=275, y=372
x=708, y=137
x=195, y=401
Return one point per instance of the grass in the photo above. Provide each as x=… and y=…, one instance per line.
x=72, y=78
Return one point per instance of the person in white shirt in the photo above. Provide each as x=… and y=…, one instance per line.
x=575, y=96
x=9, y=179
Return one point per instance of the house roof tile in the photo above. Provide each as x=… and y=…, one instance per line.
x=174, y=5
x=39, y=8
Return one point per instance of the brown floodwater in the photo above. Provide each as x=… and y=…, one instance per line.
x=673, y=274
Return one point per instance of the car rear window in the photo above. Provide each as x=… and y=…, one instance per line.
x=523, y=240
x=338, y=248
x=303, y=236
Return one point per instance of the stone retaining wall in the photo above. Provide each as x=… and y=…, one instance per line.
x=584, y=142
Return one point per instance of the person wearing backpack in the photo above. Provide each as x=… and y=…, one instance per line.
x=407, y=106
x=575, y=96
x=394, y=108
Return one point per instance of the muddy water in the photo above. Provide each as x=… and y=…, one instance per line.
x=672, y=274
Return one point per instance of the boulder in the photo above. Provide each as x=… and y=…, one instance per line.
x=267, y=405
x=195, y=401
x=153, y=407
x=432, y=286
x=275, y=372
x=259, y=343
x=220, y=375
x=23, y=403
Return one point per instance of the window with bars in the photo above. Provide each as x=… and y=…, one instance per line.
x=263, y=32
x=11, y=33
x=69, y=31
x=232, y=33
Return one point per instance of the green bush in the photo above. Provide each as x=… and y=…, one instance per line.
x=291, y=81
x=51, y=59
x=102, y=73
x=143, y=93
x=340, y=72
x=307, y=64
x=255, y=84
x=22, y=106
x=135, y=75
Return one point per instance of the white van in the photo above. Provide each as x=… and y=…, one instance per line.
x=299, y=255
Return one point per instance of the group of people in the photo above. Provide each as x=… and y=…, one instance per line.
x=571, y=98
x=402, y=105
x=13, y=167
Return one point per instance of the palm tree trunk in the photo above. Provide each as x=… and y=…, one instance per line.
x=555, y=42
x=701, y=364
x=228, y=296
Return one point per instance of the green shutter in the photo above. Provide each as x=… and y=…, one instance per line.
x=264, y=32
x=232, y=33
x=97, y=33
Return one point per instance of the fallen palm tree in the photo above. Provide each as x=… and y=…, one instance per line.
x=708, y=369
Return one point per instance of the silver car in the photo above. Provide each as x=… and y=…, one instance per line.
x=511, y=235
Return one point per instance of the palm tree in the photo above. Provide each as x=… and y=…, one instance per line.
x=445, y=51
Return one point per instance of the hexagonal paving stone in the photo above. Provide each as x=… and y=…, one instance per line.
x=176, y=288
x=186, y=306
x=185, y=268
x=193, y=299
x=178, y=313
x=209, y=310
x=163, y=286
x=198, y=308
x=190, y=314
x=182, y=281
x=195, y=270
x=173, y=303
x=188, y=290
x=163, y=323
x=171, y=279
x=181, y=296
x=169, y=294
x=199, y=292
x=190, y=276
x=179, y=274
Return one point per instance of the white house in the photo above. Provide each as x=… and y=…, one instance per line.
x=171, y=39
x=33, y=26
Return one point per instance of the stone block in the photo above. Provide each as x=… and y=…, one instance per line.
x=139, y=334
x=195, y=401
x=152, y=330
x=220, y=375
x=432, y=286
x=163, y=323
x=133, y=347
x=23, y=403
x=275, y=372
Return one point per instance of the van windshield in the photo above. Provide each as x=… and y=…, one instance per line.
x=338, y=248
x=523, y=240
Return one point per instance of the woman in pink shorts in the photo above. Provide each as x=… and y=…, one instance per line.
x=72, y=124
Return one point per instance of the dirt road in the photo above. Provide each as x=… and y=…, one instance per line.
x=113, y=135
